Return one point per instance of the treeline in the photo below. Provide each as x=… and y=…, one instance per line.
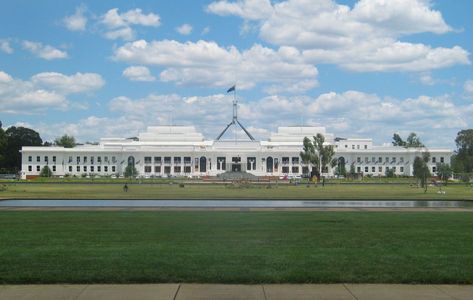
x=13, y=138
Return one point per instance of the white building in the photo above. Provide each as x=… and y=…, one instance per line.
x=182, y=151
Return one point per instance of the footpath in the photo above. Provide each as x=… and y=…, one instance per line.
x=229, y=291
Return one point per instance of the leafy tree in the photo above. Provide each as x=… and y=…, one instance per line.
x=45, y=172
x=3, y=146
x=316, y=153
x=412, y=141
x=131, y=171
x=67, y=141
x=421, y=169
x=464, y=156
x=444, y=172
x=352, y=170
x=18, y=137
x=398, y=141
x=340, y=164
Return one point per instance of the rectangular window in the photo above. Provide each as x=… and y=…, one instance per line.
x=70, y=159
x=357, y=146
x=38, y=168
x=434, y=159
x=358, y=159
x=54, y=159
x=157, y=159
x=99, y=169
x=387, y=159
x=148, y=160
x=167, y=159
x=358, y=169
x=91, y=168
x=30, y=168
x=373, y=169
x=187, y=169
x=366, y=146
x=157, y=169
x=380, y=159
x=46, y=159
x=305, y=170
x=442, y=160
x=353, y=146
x=373, y=159
x=30, y=158
x=285, y=160
x=78, y=168
x=295, y=160
x=177, y=169
x=113, y=169
x=148, y=168
x=346, y=146
x=236, y=159
x=285, y=169
x=366, y=169
x=394, y=169
x=402, y=169
x=434, y=169
x=401, y=159
x=251, y=163
x=78, y=159
x=394, y=159
x=105, y=159
x=85, y=159
x=177, y=160
x=105, y=169
x=295, y=170
x=221, y=161
x=38, y=158
x=91, y=160
x=187, y=160
x=99, y=159
x=366, y=159
x=85, y=168
x=70, y=168
x=167, y=170
x=54, y=168
x=114, y=160
x=380, y=169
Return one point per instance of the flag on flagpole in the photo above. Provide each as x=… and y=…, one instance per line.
x=231, y=89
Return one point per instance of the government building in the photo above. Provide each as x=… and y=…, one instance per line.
x=165, y=151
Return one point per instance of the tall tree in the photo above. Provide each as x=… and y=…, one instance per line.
x=421, y=169
x=398, y=141
x=316, y=153
x=18, y=137
x=3, y=146
x=444, y=172
x=464, y=156
x=67, y=141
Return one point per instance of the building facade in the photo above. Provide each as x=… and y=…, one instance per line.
x=164, y=151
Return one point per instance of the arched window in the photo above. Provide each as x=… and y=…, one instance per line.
x=203, y=164
x=131, y=161
x=269, y=164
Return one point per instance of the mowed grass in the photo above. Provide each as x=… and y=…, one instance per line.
x=236, y=247
x=214, y=191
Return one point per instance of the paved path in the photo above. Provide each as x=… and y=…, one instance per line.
x=247, y=292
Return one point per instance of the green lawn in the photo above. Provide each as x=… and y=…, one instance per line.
x=213, y=191
x=236, y=247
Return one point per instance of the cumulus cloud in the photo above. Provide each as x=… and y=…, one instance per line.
x=364, y=38
x=184, y=29
x=44, y=90
x=6, y=47
x=206, y=63
x=119, y=25
x=138, y=73
x=44, y=51
x=77, y=21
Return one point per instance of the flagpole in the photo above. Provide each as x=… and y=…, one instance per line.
x=235, y=114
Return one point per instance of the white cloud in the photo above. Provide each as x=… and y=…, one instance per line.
x=77, y=21
x=364, y=38
x=184, y=29
x=138, y=73
x=6, y=47
x=207, y=64
x=44, y=51
x=120, y=25
x=43, y=90
x=468, y=87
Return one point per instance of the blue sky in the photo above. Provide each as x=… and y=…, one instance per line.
x=364, y=68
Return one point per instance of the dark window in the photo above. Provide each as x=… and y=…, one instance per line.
x=380, y=169
x=92, y=169
x=157, y=169
x=148, y=168
x=85, y=168
x=38, y=168
x=373, y=169
x=366, y=169
x=99, y=169
x=295, y=170
x=113, y=168
x=167, y=170
x=30, y=158
x=46, y=159
x=70, y=168
x=236, y=159
x=442, y=160
x=358, y=169
x=177, y=160
x=221, y=163
x=157, y=159
x=54, y=168
x=78, y=168
x=402, y=169
x=30, y=168
x=358, y=159
x=78, y=159
x=285, y=160
x=167, y=159
x=295, y=160
x=251, y=163
x=85, y=159
x=187, y=169
x=177, y=169
x=148, y=160
x=285, y=169
x=114, y=160
x=105, y=169
x=380, y=159
x=99, y=159
x=91, y=160
x=54, y=159
x=434, y=159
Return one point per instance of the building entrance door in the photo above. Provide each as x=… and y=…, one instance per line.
x=236, y=167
